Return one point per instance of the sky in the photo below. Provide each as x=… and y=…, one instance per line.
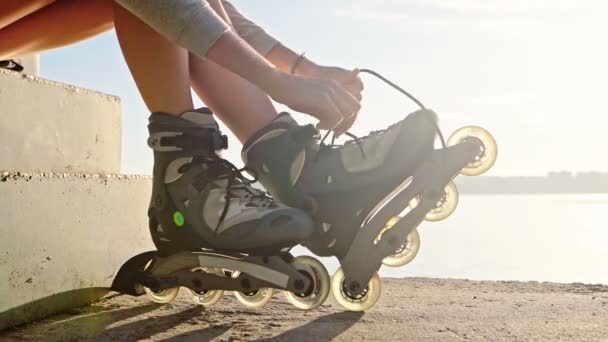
x=533, y=72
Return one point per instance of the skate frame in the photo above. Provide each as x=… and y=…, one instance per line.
x=177, y=270
x=373, y=243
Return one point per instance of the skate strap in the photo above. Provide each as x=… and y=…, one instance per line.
x=304, y=134
x=202, y=140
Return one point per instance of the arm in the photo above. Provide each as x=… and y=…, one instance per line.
x=190, y=23
x=284, y=58
x=195, y=26
x=253, y=34
x=279, y=55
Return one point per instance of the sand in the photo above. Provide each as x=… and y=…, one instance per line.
x=410, y=309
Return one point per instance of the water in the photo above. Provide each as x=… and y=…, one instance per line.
x=558, y=238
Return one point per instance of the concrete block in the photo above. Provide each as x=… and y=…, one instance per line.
x=31, y=64
x=63, y=236
x=49, y=126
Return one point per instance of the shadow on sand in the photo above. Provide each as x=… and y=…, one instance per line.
x=50, y=305
x=146, y=328
x=324, y=328
x=90, y=322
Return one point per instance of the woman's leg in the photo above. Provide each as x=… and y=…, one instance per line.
x=242, y=106
x=159, y=67
x=162, y=71
x=13, y=10
x=46, y=24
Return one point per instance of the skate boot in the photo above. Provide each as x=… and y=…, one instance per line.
x=213, y=230
x=369, y=195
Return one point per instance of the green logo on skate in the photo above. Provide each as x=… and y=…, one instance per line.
x=178, y=219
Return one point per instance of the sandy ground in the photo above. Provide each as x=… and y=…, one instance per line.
x=409, y=310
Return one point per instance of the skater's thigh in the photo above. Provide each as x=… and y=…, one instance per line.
x=13, y=10
x=57, y=24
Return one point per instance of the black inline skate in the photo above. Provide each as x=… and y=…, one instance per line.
x=369, y=195
x=213, y=230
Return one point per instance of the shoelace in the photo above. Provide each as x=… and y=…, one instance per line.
x=221, y=169
x=306, y=135
x=356, y=140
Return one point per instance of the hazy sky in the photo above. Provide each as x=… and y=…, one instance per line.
x=533, y=72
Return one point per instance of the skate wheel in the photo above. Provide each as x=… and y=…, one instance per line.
x=316, y=296
x=207, y=297
x=253, y=299
x=489, y=151
x=406, y=252
x=361, y=302
x=445, y=206
x=162, y=297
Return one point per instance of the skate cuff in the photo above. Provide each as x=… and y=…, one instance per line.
x=200, y=141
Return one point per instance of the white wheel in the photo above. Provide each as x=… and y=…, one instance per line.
x=445, y=206
x=489, y=151
x=256, y=298
x=362, y=302
x=162, y=297
x=316, y=296
x=207, y=297
x=406, y=253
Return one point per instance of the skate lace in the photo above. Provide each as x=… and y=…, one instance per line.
x=237, y=184
x=308, y=134
x=359, y=141
x=355, y=140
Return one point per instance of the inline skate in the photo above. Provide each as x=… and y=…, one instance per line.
x=369, y=195
x=213, y=230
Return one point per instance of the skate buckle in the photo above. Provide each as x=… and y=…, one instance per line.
x=155, y=141
x=220, y=142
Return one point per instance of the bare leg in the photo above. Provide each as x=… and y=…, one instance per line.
x=163, y=71
x=242, y=106
x=13, y=10
x=159, y=67
x=60, y=23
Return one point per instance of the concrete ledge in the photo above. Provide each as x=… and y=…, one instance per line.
x=63, y=238
x=31, y=64
x=49, y=126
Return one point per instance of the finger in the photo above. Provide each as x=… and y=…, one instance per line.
x=354, y=91
x=346, y=124
x=346, y=103
x=329, y=125
x=359, y=84
x=347, y=76
x=329, y=115
x=356, y=83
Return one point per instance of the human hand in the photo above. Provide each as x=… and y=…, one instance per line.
x=324, y=99
x=348, y=79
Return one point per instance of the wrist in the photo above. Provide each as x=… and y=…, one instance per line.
x=274, y=81
x=307, y=68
